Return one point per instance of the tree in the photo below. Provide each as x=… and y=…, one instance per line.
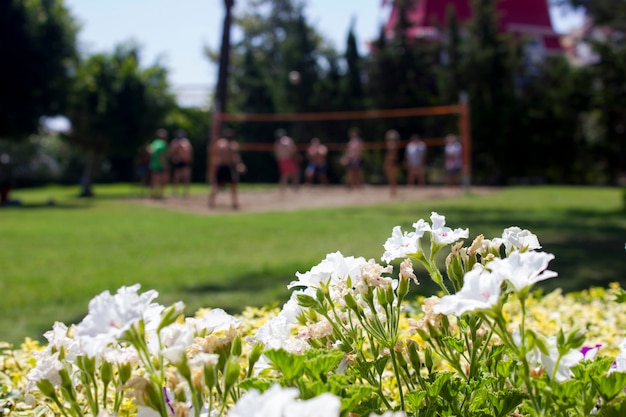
x=491, y=61
x=38, y=49
x=353, y=89
x=609, y=79
x=115, y=107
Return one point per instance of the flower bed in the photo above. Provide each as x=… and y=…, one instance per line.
x=347, y=343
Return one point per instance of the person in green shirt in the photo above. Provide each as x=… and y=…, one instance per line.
x=159, y=166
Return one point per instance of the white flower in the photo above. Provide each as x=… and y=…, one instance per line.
x=406, y=271
x=280, y=402
x=443, y=235
x=47, y=368
x=291, y=309
x=489, y=245
x=371, y=275
x=548, y=361
x=58, y=339
x=324, y=405
x=522, y=240
x=389, y=414
x=421, y=226
x=215, y=320
x=480, y=291
x=274, y=333
x=400, y=245
x=121, y=355
x=620, y=360
x=110, y=316
x=334, y=267
x=173, y=341
x=523, y=269
x=203, y=359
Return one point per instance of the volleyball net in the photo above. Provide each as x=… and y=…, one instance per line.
x=460, y=110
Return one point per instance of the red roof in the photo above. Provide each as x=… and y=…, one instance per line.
x=527, y=17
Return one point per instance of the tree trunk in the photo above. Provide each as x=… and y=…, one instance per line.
x=86, y=180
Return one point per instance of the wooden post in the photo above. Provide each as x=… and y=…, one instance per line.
x=466, y=141
x=216, y=128
x=221, y=90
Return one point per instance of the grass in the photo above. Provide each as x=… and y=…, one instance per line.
x=55, y=258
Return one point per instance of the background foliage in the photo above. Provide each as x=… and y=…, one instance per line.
x=533, y=121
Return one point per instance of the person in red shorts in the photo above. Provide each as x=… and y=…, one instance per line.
x=288, y=160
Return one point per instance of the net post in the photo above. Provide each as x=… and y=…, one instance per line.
x=466, y=140
x=216, y=128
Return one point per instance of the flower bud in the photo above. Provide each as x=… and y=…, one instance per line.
x=231, y=373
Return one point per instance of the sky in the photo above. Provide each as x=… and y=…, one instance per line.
x=176, y=32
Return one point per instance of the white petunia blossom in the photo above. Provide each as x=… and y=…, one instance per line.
x=47, y=368
x=549, y=361
x=173, y=341
x=400, y=245
x=620, y=360
x=275, y=333
x=481, y=290
x=523, y=269
x=443, y=235
x=324, y=405
x=522, y=240
x=58, y=339
x=280, y=402
x=334, y=267
x=215, y=320
x=110, y=316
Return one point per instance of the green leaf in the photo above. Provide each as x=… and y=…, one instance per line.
x=440, y=381
x=620, y=296
x=260, y=384
x=306, y=301
x=455, y=343
x=321, y=362
x=610, y=385
x=505, y=401
x=614, y=409
x=289, y=364
x=380, y=364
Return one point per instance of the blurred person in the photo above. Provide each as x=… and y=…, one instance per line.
x=159, y=165
x=6, y=178
x=288, y=160
x=353, y=159
x=142, y=165
x=180, y=153
x=317, y=166
x=453, y=160
x=415, y=160
x=392, y=159
x=226, y=167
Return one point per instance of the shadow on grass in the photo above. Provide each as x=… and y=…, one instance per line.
x=588, y=245
x=46, y=205
x=588, y=248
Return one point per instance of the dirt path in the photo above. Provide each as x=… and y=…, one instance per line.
x=306, y=197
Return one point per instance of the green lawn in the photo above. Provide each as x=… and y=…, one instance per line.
x=55, y=258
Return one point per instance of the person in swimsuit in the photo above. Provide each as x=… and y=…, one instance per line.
x=180, y=153
x=288, y=160
x=454, y=160
x=317, y=166
x=226, y=166
x=415, y=159
x=392, y=159
x=353, y=159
